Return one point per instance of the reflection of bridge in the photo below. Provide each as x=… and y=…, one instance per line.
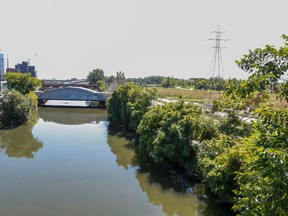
x=72, y=116
x=72, y=93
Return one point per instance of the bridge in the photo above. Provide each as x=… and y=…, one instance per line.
x=49, y=84
x=72, y=93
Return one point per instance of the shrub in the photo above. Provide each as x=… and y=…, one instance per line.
x=263, y=182
x=219, y=160
x=128, y=104
x=16, y=108
x=167, y=132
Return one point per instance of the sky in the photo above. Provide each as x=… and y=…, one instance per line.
x=66, y=39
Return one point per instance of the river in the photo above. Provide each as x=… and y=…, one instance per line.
x=67, y=163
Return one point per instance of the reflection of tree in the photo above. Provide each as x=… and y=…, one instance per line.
x=20, y=142
x=122, y=148
x=172, y=202
x=174, y=192
x=165, y=187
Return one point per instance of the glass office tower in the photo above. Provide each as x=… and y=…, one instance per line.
x=1, y=66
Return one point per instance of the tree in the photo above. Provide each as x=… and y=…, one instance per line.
x=22, y=83
x=267, y=67
x=263, y=181
x=111, y=79
x=101, y=85
x=128, y=104
x=201, y=84
x=219, y=161
x=120, y=77
x=168, y=82
x=166, y=133
x=95, y=75
x=16, y=108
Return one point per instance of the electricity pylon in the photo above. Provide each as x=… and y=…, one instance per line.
x=217, y=69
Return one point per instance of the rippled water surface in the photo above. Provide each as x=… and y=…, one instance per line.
x=67, y=163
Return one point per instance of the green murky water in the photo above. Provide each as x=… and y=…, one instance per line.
x=67, y=164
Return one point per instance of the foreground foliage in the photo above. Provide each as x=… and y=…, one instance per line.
x=264, y=179
x=219, y=160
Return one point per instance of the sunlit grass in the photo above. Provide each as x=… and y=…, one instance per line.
x=189, y=95
x=205, y=96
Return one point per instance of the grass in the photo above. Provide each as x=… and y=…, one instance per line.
x=205, y=96
x=280, y=104
x=189, y=95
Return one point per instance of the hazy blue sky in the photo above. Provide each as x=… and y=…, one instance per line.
x=138, y=37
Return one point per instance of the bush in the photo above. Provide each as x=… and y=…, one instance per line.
x=219, y=160
x=263, y=182
x=167, y=132
x=128, y=104
x=16, y=108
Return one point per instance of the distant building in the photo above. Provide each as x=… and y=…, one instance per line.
x=24, y=67
x=11, y=70
x=1, y=66
x=194, y=79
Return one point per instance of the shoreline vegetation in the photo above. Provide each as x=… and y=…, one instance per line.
x=243, y=163
x=19, y=101
x=217, y=150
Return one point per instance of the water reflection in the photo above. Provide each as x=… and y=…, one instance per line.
x=172, y=202
x=176, y=193
x=20, y=142
x=166, y=188
x=72, y=116
x=122, y=149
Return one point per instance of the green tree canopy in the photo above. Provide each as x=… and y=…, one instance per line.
x=260, y=183
x=167, y=132
x=120, y=77
x=22, y=82
x=17, y=109
x=128, y=104
x=263, y=182
x=267, y=66
x=95, y=75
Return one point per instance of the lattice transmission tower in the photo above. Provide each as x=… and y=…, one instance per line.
x=217, y=56
x=217, y=68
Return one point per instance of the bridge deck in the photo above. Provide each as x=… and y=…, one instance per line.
x=73, y=93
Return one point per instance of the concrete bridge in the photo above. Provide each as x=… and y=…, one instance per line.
x=72, y=93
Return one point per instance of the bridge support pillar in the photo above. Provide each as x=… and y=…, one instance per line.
x=41, y=102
